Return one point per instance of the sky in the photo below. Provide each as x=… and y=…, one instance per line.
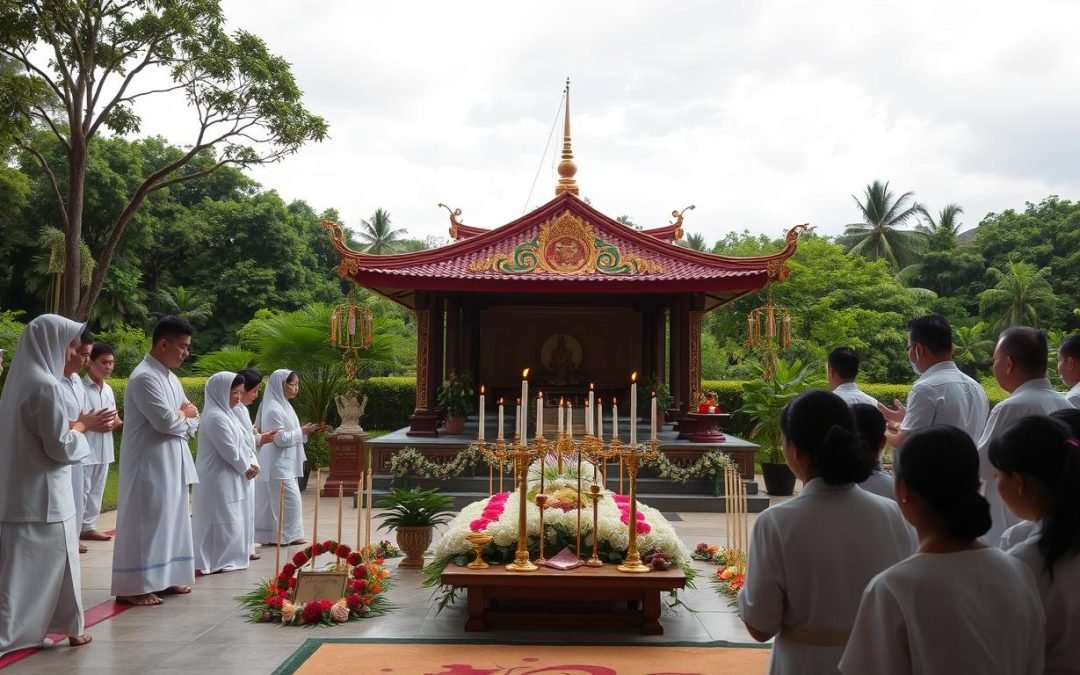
x=763, y=114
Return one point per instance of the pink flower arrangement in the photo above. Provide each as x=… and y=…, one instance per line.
x=492, y=512
x=623, y=503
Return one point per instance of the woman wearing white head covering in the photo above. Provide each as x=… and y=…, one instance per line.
x=282, y=461
x=40, y=585
x=252, y=380
x=217, y=514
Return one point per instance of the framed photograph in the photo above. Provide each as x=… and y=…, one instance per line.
x=320, y=586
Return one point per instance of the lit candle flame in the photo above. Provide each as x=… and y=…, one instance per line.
x=539, y=394
x=524, y=373
x=654, y=394
x=633, y=376
x=590, y=386
x=500, y=400
x=481, y=389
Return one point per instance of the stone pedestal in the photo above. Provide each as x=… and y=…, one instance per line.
x=348, y=459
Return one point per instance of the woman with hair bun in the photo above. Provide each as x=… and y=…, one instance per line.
x=1037, y=471
x=811, y=556
x=957, y=605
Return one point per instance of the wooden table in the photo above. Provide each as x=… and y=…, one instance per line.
x=597, y=597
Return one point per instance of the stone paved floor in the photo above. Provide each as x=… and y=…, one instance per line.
x=205, y=632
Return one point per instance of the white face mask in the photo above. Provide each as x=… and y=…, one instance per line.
x=914, y=364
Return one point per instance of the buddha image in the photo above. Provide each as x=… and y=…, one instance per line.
x=561, y=354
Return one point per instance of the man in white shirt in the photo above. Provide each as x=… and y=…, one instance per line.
x=1068, y=364
x=841, y=370
x=1020, y=368
x=100, y=396
x=942, y=394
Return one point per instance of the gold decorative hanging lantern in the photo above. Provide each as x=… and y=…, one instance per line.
x=768, y=328
x=350, y=330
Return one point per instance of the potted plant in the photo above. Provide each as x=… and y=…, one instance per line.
x=763, y=399
x=648, y=385
x=413, y=514
x=456, y=400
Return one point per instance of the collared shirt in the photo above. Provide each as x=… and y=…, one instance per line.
x=944, y=395
x=850, y=392
x=1073, y=395
x=75, y=396
x=101, y=442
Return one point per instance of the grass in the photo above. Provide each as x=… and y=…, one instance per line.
x=112, y=488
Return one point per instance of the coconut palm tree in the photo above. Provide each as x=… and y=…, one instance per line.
x=972, y=347
x=941, y=234
x=1019, y=295
x=880, y=234
x=694, y=242
x=192, y=306
x=377, y=235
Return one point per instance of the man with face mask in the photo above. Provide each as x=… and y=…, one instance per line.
x=942, y=394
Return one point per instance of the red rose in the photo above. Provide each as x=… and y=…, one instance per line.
x=355, y=558
x=288, y=570
x=314, y=549
x=282, y=580
x=312, y=612
x=343, y=551
x=275, y=602
x=353, y=600
x=299, y=558
x=325, y=605
x=328, y=545
x=359, y=572
x=292, y=582
x=361, y=585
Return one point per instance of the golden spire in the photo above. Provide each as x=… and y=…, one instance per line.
x=567, y=168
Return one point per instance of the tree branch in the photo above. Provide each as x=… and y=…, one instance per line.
x=52, y=125
x=62, y=206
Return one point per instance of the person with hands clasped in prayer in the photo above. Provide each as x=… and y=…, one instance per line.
x=100, y=396
x=252, y=380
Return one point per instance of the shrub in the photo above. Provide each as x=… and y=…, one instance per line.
x=391, y=401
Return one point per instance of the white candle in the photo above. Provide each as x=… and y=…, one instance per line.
x=588, y=419
x=540, y=415
x=570, y=420
x=500, y=419
x=559, y=417
x=481, y=435
x=633, y=409
x=517, y=420
x=652, y=418
x=614, y=418
x=592, y=406
x=600, y=419
x=522, y=422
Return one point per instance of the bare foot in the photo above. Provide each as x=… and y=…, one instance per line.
x=82, y=548
x=298, y=542
x=79, y=640
x=255, y=556
x=176, y=590
x=144, y=600
x=94, y=535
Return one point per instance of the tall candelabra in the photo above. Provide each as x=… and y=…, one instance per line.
x=633, y=456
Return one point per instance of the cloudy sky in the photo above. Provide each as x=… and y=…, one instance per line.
x=764, y=114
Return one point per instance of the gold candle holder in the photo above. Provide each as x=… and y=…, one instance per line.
x=479, y=541
x=633, y=456
x=541, y=500
x=594, y=495
x=521, y=455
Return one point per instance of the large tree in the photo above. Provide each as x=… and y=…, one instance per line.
x=1021, y=295
x=85, y=66
x=881, y=234
x=377, y=235
x=941, y=232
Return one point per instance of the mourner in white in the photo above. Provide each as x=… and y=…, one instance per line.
x=40, y=589
x=252, y=380
x=1068, y=365
x=1037, y=469
x=282, y=462
x=1020, y=368
x=871, y=425
x=942, y=394
x=811, y=557
x=153, y=552
x=957, y=605
x=99, y=396
x=841, y=370
x=218, y=526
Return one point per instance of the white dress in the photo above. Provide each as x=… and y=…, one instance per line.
x=40, y=584
x=969, y=612
x=1060, y=600
x=810, y=559
x=96, y=469
x=153, y=549
x=880, y=483
x=282, y=462
x=1034, y=397
x=244, y=417
x=218, y=527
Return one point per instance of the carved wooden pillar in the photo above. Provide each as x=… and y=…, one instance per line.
x=659, y=339
x=675, y=374
x=469, y=351
x=696, y=317
x=453, y=338
x=429, y=362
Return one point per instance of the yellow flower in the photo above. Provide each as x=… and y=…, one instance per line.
x=288, y=612
x=728, y=573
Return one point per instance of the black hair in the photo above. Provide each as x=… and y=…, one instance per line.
x=941, y=465
x=86, y=337
x=170, y=327
x=845, y=362
x=252, y=378
x=292, y=376
x=871, y=426
x=1027, y=347
x=238, y=380
x=821, y=425
x=1045, y=450
x=1070, y=416
x=100, y=349
x=1070, y=347
x=932, y=330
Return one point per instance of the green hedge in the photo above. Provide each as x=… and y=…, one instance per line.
x=391, y=401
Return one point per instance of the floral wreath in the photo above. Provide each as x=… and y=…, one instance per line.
x=730, y=575
x=271, y=601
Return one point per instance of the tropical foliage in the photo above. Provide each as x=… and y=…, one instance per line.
x=880, y=235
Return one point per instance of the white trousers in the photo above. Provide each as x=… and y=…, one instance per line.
x=93, y=488
x=40, y=585
x=249, y=516
x=78, y=473
x=267, y=498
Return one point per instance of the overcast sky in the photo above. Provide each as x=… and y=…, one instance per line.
x=763, y=114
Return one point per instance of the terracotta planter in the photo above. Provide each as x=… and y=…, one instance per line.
x=455, y=425
x=413, y=541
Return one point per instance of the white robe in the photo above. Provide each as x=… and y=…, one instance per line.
x=40, y=586
x=1034, y=397
x=153, y=548
x=96, y=468
x=880, y=483
x=75, y=404
x=217, y=502
x=1060, y=601
x=969, y=612
x=809, y=560
x=244, y=417
x=282, y=462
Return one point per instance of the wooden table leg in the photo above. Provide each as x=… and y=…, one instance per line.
x=476, y=622
x=650, y=610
